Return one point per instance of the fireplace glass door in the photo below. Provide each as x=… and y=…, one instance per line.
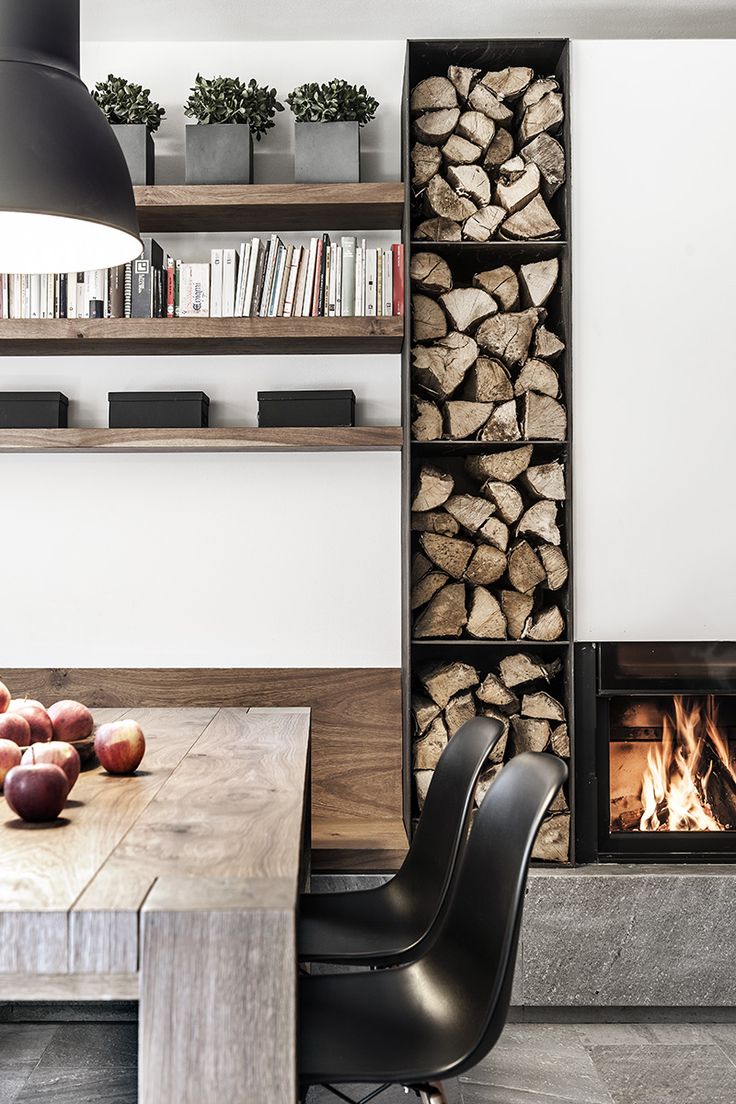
x=656, y=758
x=672, y=764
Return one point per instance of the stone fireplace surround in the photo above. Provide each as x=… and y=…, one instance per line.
x=605, y=937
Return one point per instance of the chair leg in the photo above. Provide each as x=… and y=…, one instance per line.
x=440, y=1092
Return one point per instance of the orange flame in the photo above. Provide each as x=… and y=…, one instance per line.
x=675, y=784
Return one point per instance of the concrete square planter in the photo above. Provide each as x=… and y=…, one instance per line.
x=219, y=153
x=137, y=145
x=326, y=153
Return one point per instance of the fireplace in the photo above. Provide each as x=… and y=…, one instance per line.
x=656, y=752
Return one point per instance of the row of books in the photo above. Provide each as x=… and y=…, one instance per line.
x=263, y=279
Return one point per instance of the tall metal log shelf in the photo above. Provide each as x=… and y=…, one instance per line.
x=426, y=58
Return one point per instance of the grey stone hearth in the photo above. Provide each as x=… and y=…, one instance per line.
x=621, y=936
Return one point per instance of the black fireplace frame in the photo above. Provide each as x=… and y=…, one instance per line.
x=597, y=682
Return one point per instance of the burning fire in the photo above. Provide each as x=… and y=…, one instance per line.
x=686, y=774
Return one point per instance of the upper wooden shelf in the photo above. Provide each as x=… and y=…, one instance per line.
x=233, y=439
x=183, y=208
x=166, y=337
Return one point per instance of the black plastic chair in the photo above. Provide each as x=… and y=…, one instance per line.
x=389, y=925
x=438, y=1017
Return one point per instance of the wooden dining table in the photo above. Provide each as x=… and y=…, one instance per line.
x=178, y=887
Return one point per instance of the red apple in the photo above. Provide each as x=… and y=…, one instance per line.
x=15, y=727
x=64, y=755
x=120, y=746
x=16, y=703
x=36, y=791
x=42, y=729
x=9, y=758
x=5, y=698
x=71, y=720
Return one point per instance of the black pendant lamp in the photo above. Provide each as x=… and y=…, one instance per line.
x=66, y=200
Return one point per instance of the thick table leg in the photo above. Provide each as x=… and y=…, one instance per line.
x=218, y=1001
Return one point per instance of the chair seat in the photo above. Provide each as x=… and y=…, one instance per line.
x=372, y=927
x=391, y=1025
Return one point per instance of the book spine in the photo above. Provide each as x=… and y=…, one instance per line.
x=347, y=298
x=217, y=285
x=278, y=275
x=240, y=287
x=229, y=280
x=177, y=290
x=397, y=258
x=63, y=289
x=116, y=295
x=309, y=282
x=317, y=278
x=332, y=289
x=142, y=294
x=255, y=256
x=170, y=287
x=273, y=254
x=388, y=306
x=370, y=285
x=291, y=284
x=324, y=274
x=301, y=279
x=284, y=281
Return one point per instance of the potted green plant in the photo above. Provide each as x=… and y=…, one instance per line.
x=134, y=118
x=217, y=151
x=327, y=130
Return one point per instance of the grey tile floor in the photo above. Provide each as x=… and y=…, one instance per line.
x=533, y=1063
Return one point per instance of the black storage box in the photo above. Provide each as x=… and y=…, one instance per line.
x=159, y=409
x=306, y=408
x=33, y=410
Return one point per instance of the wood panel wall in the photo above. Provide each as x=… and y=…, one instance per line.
x=357, y=807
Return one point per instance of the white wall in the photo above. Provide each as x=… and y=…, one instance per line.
x=255, y=561
x=654, y=179
x=294, y=560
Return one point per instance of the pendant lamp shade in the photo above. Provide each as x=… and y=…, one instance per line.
x=66, y=200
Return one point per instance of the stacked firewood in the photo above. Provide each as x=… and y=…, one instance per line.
x=488, y=554
x=518, y=693
x=482, y=362
x=485, y=163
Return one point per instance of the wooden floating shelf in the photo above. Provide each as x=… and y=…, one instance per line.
x=187, y=208
x=185, y=336
x=245, y=439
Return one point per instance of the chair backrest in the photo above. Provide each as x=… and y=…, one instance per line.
x=474, y=955
x=440, y=836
